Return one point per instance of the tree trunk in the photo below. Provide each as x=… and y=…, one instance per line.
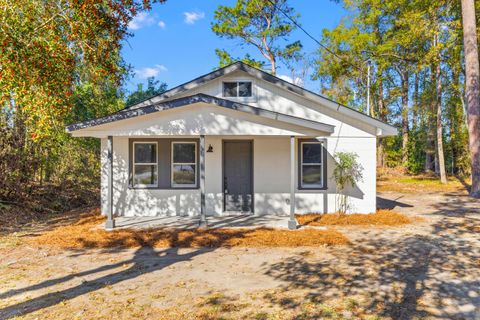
x=472, y=82
x=382, y=112
x=439, y=138
x=273, y=61
x=431, y=163
x=416, y=102
x=404, y=77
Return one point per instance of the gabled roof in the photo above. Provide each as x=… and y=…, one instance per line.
x=199, y=98
x=385, y=128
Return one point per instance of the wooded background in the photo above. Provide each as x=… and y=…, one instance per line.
x=60, y=63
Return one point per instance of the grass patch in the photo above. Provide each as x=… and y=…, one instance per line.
x=392, y=181
x=379, y=218
x=85, y=233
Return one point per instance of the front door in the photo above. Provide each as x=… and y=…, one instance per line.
x=237, y=176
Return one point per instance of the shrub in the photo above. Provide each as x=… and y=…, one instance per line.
x=347, y=172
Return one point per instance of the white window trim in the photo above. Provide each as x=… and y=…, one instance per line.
x=144, y=163
x=251, y=98
x=321, y=164
x=172, y=164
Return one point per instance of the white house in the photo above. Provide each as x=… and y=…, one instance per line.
x=234, y=140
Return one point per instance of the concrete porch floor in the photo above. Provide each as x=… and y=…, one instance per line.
x=230, y=221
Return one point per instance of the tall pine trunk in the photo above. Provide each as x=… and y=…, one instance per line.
x=404, y=84
x=415, y=102
x=472, y=81
x=439, y=137
x=431, y=163
x=382, y=112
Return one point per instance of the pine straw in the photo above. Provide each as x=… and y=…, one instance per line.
x=379, y=218
x=86, y=234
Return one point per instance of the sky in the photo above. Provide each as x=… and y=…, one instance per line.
x=174, y=42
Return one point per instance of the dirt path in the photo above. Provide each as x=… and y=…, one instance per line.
x=430, y=269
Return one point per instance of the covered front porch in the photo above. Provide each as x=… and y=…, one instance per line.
x=208, y=127
x=272, y=195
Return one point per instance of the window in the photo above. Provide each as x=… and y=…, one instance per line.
x=240, y=89
x=184, y=167
x=311, y=170
x=145, y=164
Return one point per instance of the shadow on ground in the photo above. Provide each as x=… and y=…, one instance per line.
x=390, y=204
x=432, y=275
x=145, y=260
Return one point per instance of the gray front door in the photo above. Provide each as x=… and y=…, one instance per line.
x=237, y=176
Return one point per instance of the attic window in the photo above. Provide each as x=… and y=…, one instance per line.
x=241, y=89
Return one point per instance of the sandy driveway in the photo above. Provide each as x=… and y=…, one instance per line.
x=427, y=270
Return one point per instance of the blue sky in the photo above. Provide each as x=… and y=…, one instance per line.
x=174, y=41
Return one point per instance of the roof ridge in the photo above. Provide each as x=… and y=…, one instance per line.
x=239, y=65
x=183, y=84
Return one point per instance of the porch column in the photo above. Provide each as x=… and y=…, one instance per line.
x=292, y=223
x=110, y=223
x=203, y=218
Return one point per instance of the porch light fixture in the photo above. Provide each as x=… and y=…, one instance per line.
x=210, y=148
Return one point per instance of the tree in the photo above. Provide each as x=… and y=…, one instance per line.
x=47, y=49
x=60, y=63
x=154, y=87
x=226, y=59
x=416, y=77
x=472, y=74
x=258, y=23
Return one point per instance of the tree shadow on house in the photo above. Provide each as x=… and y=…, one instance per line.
x=414, y=276
x=145, y=260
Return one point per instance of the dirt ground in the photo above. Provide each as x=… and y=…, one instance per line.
x=426, y=270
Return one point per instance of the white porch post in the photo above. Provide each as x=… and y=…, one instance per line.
x=203, y=218
x=110, y=223
x=292, y=223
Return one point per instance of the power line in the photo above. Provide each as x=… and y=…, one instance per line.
x=312, y=37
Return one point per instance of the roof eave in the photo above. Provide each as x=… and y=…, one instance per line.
x=198, y=98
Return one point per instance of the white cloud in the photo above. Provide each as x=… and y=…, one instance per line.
x=162, y=24
x=297, y=81
x=148, y=72
x=192, y=16
x=141, y=20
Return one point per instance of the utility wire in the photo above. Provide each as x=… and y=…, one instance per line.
x=312, y=37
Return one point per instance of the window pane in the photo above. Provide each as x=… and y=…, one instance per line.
x=184, y=153
x=229, y=89
x=184, y=174
x=145, y=174
x=244, y=89
x=145, y=153
x=311, y=175
x=312, y=152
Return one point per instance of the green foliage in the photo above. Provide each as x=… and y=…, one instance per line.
x=17, y=157
x=60, y=63
x=154, y=87
x=257, y=23
x=405, y=41
x=47, y=49
x=226, y=59
x=347, y=173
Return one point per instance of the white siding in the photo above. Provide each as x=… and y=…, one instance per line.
x=271, y=182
